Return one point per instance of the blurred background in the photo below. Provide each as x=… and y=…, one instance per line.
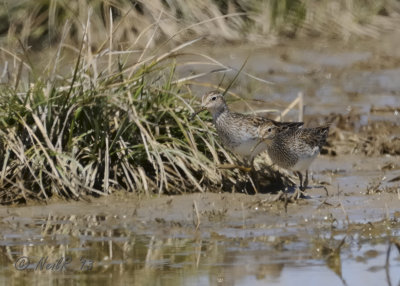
x=42, y=24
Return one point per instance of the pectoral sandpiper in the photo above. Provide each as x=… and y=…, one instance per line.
x=239, y=132
x=294, y=148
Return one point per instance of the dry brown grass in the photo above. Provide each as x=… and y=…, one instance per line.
x=148, y=23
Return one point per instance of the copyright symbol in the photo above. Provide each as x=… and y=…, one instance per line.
x=22, y=263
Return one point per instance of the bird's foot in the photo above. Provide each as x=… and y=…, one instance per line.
x=280, y=196
x=298, y=194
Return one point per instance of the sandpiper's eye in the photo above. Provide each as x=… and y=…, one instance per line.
x=269, y=129
x=214, y=98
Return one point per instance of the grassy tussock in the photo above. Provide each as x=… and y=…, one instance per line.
x=108, y=125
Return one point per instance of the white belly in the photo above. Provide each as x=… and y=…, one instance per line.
x=305, y=160
x=248, y=149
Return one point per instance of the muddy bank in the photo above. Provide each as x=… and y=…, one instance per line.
x=347, y=179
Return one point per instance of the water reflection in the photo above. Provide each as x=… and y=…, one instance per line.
x=110, y=249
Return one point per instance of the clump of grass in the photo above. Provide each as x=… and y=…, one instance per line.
x=105, y=126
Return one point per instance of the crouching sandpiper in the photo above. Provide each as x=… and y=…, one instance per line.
x=294, y=148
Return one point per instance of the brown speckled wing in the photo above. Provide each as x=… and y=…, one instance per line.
x=258, y=121
x=314, y=136
x=283, y=126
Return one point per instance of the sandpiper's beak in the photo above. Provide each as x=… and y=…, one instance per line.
x=197, y=112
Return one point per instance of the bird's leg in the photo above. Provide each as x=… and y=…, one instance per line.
x=299, y=191
x=253, y=175
x=305, y=183
x=235, y=166
x=248, y=167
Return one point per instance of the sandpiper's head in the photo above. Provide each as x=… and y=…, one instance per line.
x=268, y=131
x=212, y=101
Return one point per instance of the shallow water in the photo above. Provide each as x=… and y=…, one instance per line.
x=123, y=250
